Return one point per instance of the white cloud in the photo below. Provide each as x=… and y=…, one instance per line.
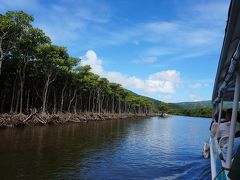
x=159, y=82
x=162, y=27
x=149, y=60
x=196, y=29
x=195, y=86
x=194, y=97
x=159, y=51
x=199, y=37
x=190, y=55
x=90, y=58
x=195, y=33
x=169, y=75
x=204, y=12
x=166, y=98
x=198, y=85
x=126, y=81
x=166, y=83
x=67, y=22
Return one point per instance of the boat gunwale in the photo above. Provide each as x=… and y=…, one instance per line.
x=215, y=151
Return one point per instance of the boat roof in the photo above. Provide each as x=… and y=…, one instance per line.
x=225, y=77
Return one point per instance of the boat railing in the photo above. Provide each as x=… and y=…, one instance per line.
x=233, y=71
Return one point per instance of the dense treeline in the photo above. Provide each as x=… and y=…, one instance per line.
x=35, y=74
x=195, y=112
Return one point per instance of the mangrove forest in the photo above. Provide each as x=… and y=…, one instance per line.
x=36, y=75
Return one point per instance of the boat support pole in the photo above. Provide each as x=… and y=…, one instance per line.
x=233, y=121
x=219, y=116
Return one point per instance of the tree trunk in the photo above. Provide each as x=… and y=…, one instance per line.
x=55, y=101
x=13, y=93
x=107, y=108
x=45, y=91
x=62, y=96
x=2, y=104
x=125, y=106
x=102, y=107
x=119, y=105
x=98, y=101
x=113, y=104
x=93, y=101
x=1, y=59
x=89, y=101
x=70, y=103
x=1, y=55
x=81, y=109
x=28, y=99
x=21, y=95
x=17, y=104
x=75, y=105
x=22, y=81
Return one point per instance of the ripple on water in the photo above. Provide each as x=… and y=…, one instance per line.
x=150, y=148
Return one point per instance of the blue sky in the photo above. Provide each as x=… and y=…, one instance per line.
x=168, y=50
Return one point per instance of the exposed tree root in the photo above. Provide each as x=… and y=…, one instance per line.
x=36, y=119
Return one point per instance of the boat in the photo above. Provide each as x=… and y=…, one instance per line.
x=226, y=88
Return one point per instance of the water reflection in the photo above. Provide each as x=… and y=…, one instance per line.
x=150, y=148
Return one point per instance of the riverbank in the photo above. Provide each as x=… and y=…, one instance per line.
x=11, y=120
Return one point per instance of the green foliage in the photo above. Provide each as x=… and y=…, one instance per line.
x=40, y=75
x=195, y=112
x=52, y=58
x=14, y=26
x=163, y=107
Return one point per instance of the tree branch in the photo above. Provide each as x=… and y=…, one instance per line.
x=52, y=80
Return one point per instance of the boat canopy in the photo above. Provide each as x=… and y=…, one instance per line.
x=230, y=57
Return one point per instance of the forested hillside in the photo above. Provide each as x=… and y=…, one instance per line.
x=190, y=105
x=198, y=109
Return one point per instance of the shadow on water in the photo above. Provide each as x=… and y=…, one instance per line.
x=150, y=148
x=48, y=151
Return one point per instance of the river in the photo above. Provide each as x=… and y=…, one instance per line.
x=145, y=148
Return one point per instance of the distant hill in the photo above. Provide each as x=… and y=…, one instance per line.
x=196, y=105
x=180, y=105
x=183, y=105
x=198, y=109
x=190, y=105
